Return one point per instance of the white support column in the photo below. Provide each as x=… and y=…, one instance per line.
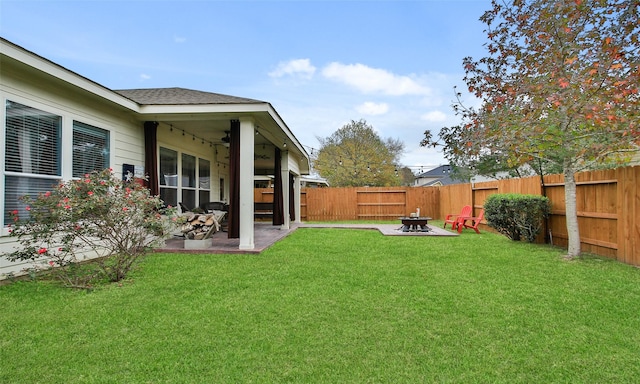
x=296, y=193
x=247, y=138
x=284, y=161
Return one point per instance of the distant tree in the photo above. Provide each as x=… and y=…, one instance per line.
x=407, y=178
x=559, y=86
x=355, y=155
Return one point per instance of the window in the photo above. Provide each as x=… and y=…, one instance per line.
x=189, y=180
x=191, y=186
x=169, y=176
x=32, y=154
x=34, y=148
x=90, y=149
x=204, y=180
x=32, y=141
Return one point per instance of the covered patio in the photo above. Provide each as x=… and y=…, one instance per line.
x=203, y=147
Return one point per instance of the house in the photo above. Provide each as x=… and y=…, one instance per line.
x=193, y=146
x=305, y=182
x=313, y=182
x=437, y=176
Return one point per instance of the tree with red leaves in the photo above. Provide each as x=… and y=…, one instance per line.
x=559, y=85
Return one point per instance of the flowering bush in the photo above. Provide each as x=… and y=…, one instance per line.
x=98, y=217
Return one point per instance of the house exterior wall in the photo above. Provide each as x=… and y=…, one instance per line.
x=420, y=181
x=71, y=103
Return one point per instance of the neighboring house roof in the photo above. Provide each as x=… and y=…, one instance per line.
x=181, y=96
x=304, y=180
x=318, y=181
x=435, y=177
x=440, y=171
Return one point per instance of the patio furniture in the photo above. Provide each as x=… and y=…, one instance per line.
x=455, y=219
x=263, y=210
x=415, y=224
x=475, y=221
x=184, y=208
x=214, y=206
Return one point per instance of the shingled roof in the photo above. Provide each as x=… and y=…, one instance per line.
x=181, y=96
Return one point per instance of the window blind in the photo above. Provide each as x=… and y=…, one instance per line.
x=16, y=187
x=32, y=142
x=90, y=149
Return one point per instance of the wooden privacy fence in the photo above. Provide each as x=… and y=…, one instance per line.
x=607, y=201
x=373, y=203
x=608, y=204
x=348, y=204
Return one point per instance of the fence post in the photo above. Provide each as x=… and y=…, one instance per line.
x=628, y=215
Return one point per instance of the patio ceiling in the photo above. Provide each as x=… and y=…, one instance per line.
x=214, y=130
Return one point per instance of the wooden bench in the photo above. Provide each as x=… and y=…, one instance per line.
x=263, y=210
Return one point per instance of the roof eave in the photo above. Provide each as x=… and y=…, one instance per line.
x=55, y=70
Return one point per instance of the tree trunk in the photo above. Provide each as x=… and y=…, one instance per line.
x=571, y=212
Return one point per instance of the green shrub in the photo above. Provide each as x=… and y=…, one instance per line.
x=97, y=217
x=517, y=216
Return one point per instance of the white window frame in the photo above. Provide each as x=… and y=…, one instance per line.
x=179, y=187
x=66, y=145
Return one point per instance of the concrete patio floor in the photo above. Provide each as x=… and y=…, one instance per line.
x=266, y=234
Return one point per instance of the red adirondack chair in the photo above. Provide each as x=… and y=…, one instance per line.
x=475, y=221
x=454, y=219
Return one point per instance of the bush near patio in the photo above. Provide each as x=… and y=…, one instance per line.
x=98, y=216
x=517, y=216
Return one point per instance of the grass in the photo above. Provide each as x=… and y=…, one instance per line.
x=336, y=305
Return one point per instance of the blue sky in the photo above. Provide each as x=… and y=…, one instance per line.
x=320, y=64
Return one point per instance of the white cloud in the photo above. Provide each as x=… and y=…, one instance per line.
x=144, y=76
x=373, y=80
x=371, y=108
x=179, y=39
x=298, y=67
x=434, y=117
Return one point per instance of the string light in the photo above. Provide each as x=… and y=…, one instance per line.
x=314, y=152
x=203, y=141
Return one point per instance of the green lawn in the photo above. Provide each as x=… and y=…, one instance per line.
x=336, y=306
